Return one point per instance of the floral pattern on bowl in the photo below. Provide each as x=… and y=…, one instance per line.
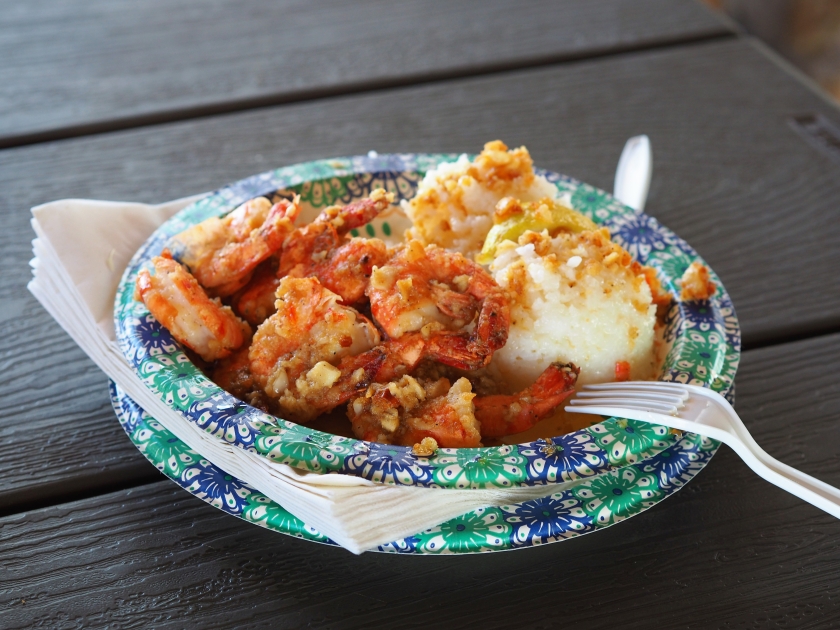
x=587, y=507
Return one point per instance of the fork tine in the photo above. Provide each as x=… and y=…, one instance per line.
x=639, y=387
x=660, y=407
x=673, y=399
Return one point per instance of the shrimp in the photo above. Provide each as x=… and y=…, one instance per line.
x=404, y=355
x=321, y=249
x=304, y=356
x=357, y=213
x=425, y=296
x=233, y=374
x=255, y=302
x=502, y=415
x=348, y=269
x=179, y=303
x=223, y=253
x=406, y=411
x=410, y=409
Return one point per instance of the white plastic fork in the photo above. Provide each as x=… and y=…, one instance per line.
x=700, y=410
x=633, y=173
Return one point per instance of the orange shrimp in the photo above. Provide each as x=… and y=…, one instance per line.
x=357, y=213
x=179, y=303
x=406, y=411
x=403, y=355
x=297, y=354
x=223, y=253
x=320, y=249
x=348, y=269
x=502, y=415
x=424, y=296
x=233, y=374
x=255, y=302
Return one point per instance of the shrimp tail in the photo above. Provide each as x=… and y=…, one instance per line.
x=358, y=213
x=370, y=363
x=474, y=351
x=491, y=331
x=502, y=415
x=459, y=351
x=357, y=374
x=278, y=223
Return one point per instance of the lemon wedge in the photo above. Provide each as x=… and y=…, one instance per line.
x=513, y=218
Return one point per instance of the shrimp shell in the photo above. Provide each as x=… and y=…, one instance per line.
x=179, y=303
x=294, y=354
x=222, y=253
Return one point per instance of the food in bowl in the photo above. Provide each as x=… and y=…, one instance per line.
x=579, y=296
x=461, y=334
x=455, y=203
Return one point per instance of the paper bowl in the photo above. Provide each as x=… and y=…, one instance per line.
x=591, y=505
x=703, y=340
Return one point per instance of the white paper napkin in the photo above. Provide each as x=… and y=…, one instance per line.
x=82, y=249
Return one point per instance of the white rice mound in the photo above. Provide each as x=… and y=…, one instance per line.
x=575, y=298
x=455, y=202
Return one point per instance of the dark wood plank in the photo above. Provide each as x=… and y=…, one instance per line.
x=730, y=177
x=728, y=551
x=73, y=66
x=57, y=421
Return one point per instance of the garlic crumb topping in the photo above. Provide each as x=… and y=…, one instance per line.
x=427, y=447
x=695, y=283
x=323, y=374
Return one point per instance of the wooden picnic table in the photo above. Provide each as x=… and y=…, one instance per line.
x=157, y=100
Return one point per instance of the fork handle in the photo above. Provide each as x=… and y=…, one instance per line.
x=816, y=492
x=810, y=489
x=738, y=438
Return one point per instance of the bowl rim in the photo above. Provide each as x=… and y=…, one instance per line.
x=706, y=336
x=567, y=513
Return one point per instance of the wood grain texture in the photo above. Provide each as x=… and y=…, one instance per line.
x=79, y=65
x=727, y=551
x=730, y=177
x=58, y=435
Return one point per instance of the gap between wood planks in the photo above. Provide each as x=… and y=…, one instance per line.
x=312, y=94
x=51, y=499
x=781, y=338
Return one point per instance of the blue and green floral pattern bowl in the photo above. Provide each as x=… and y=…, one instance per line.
x=703, y=340
x=590, y=505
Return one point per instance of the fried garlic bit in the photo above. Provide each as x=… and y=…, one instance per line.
x=695, y=283
x=425, y=448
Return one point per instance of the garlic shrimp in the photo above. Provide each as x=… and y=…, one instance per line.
x=223, y=253
x=180, y=304
x=407, y=411
x=427, y=295
x=322, y=249
x=502, y=415
x=303, y=356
